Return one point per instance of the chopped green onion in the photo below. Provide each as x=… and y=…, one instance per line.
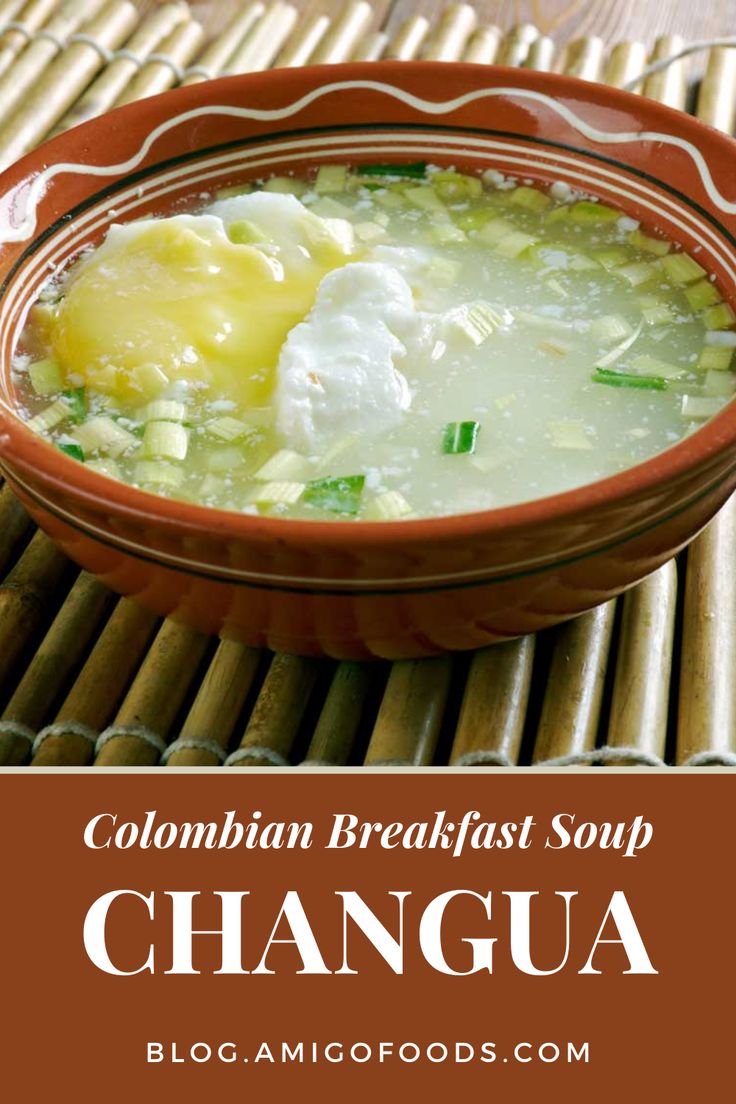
x=77, y=401
x=569, y=434
x=278, y=494
x=700, y=407
x=716, y=357
x=611, y=258
x=285, y=185
x=416, y=170
x=165, y=441
x=105, y=466
x=102, y=434
x=618, y=350
x=628, y=379
x=45, y=376
x=702, y=294
x=446, y=232
x=340, y=496
x=531, y=198
x=513, y=244
x=426, y=199
x=75, y=451
x=611, y=327
x=719, y=317
x=165, y=410
x=459, y=437
x=331, y=178
x=476, y=320
x=649, y=244
x=283, y=465
x=388, y=506
x=228, y=429
x=719, y=383
x=652, y=366
x=655, y=311
x=587, y=211
x=638, y=273
x=680, y=268
x=245, y=232
x=158, y=472
x=495, y=230
x=51, y=417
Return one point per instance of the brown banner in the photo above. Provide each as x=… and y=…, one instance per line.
x=504, y=935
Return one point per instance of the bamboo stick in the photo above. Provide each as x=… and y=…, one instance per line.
x=274, y=724
x=109, y=86
x=717, y=93
x=342, y=714
x=669, y=85
x=572, y=701
x=483, y=46
x=371, y=48
x=639, y=708
x=42, y=51
x=262, y=44
x=99, y=688
x=344, y=34
x=300, y=47
x=409, y=39
x=515, y=47
x=15, y=525
x=410, y=717
x=162, y=70
x=146, y=717
x=60, y=652
x=32, y=17
x=625, y=63
x=584, y=58
x=217, y=54
x=63, y=81
x=9, y=9
x=541, y=55
x=24, y=598
x=491, y=721
x=457, y=23
x=707, y=705
x=215, y=711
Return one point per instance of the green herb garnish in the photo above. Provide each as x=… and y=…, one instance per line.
x=77, y=402
x=628, y=379
x=340, y=496
x=75, y=451
x=458, y=437
x=416, y=170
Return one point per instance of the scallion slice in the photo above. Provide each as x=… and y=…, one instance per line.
x=628, y=379
x=75, y=451
x=338, y=495
x=459, y=437
x=416, y=170
x=77, y=403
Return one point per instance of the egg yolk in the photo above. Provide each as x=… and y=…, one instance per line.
x=182, y=299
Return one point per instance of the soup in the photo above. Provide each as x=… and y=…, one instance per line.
x=384, y=342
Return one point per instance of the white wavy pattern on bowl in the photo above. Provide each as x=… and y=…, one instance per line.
x=31, y=191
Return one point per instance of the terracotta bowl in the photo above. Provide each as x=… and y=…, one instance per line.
x=361, y=589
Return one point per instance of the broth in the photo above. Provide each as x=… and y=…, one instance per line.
x=376, y=343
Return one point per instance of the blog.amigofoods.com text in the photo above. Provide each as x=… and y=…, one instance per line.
x=362, y=1053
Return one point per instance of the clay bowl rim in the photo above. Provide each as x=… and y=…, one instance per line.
x=66, y=475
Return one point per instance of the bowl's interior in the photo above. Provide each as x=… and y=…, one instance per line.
x=654, y=164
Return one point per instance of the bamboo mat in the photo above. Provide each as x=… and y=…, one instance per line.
x=89, y=679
